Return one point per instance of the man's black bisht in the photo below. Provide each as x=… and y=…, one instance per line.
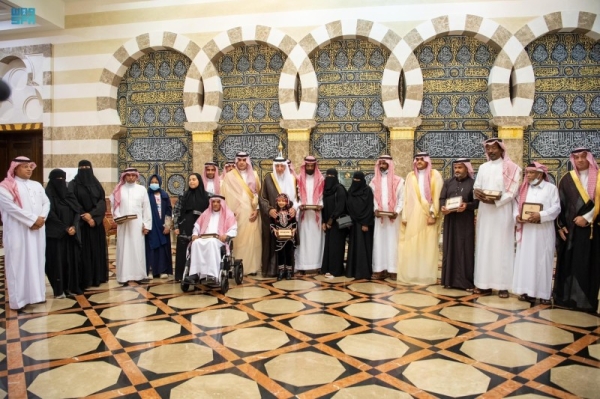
x=63, y=261
x=360, y=247
x=458, y=259
x=94, y=257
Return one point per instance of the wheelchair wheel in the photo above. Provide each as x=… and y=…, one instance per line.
x=185, y=286
x=224, y=282
x=238, y=272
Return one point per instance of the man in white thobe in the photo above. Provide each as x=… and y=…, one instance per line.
x=211, y=179
x=309, y=252
x=388, y=196
x=129, y=198
x=205, y=257
x=495, y=238
x=24, y=207
x=535, y=236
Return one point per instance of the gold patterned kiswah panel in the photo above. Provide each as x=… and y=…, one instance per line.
x=566, y=107
x=455, y=109
x=350, y=134
x=251, y=115
x=150, y=105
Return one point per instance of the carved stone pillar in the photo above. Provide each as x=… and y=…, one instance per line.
x=298, y=134
x=510, y=130
x=202, y=143
x=402, y=142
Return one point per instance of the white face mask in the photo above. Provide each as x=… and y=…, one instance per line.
x=535, y=182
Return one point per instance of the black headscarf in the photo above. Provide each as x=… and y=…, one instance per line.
x=156, y=238
x=360, y=200
x=56, y=190
x=195, y=199
x=87, y=189
x=331, y=182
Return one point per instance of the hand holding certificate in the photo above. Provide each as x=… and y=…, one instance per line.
x=531, y=211
x=452, y=204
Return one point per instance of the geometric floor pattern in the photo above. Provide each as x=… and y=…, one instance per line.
x=309, y=338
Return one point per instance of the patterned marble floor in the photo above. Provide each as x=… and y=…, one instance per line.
x=310, y=338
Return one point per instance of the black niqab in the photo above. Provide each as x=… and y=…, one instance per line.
x=57, y=189
x=360, y=200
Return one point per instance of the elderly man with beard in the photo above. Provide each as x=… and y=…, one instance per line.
x=130, y=200
x=388, y=191
x=495, y=187
x=535, y=235
x=420, y=229
x=458, y=255
x=241, y=188
x=311, y=183
x=211, y=179
x=577, y=281
x=281, y=181
x=24, y=207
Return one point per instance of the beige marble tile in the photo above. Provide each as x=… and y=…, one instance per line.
x=371, y=310
x=255, y=339
x=166, y=289
x=53, y=323
x=217, y=386
x=110, y=284
x=328, y=296
x=594, y=351
x=2, y=330
x=372, y=346
x=370, y=392
x=192, y=301
x=469, y=314
x=498, y=352
x=278, y=306
x=304, y=368
x=439, y=290
x=219, y=318
x=73, y=380
x=51, y=305
x=511, y=303
x=581, y=380
x=370, y=288
x=319, y=323
x=294, y=285
x=2, y=356
x=529, y=396
x=570, y=317
x=446, y=377
x=175, y=358
x=112, y=296
x=341, y=279
x=414, y=300
x=148, y=331
x=428, y=329
x=129, y=312
x=62, y=346
x=540, y=333
x=248, y=292
x=3, y=394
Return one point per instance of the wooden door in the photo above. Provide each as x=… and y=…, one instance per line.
x=29, y=144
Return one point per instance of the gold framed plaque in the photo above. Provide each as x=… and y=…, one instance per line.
x=492, y=195
x=285, y=234
x=209, y=236
x=388, y=214
x=452, y=204
x=529, y=208
x=123, y=219
x=311, y=207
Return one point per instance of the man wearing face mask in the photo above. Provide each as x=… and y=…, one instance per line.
x=577, y=281
x=534, y=258
x=131, y=200
x=495, y=238
x=158, y=240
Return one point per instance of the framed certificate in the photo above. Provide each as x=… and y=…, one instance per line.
x=454, y=203
x=311, y=207
x=209, y=236
x=529, y=208
x=492, y=195
x=285, y=234
x=388, y=214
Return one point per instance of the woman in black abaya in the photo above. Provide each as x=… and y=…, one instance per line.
x=334, y=206
x=360, y=209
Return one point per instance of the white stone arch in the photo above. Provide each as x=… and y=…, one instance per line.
x=345, y=29
x=127, y=54
x=222, y=44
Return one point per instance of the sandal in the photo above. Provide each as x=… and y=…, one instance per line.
x=546, y=301
x=503, y=294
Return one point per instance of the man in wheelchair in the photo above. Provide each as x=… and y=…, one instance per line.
x=212, y=231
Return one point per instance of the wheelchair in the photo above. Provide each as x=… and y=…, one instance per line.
x=229, y=268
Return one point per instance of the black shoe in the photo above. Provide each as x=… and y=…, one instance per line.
x=289, y=274
x=280, y=274
x=192, y=279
